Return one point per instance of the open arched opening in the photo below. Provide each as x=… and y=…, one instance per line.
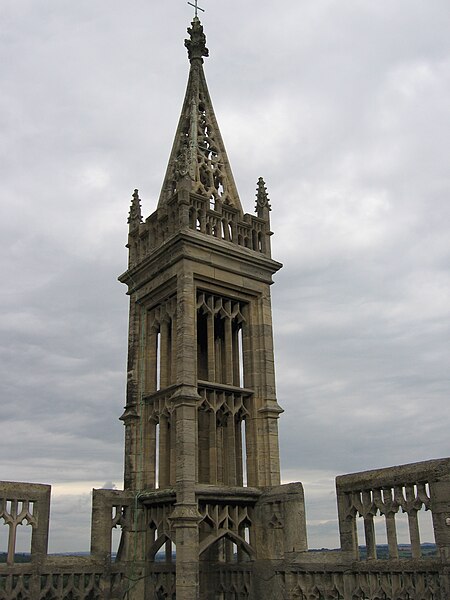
x=226, y=547
x=163, y=549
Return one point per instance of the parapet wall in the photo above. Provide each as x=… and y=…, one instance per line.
x=386, y=492
x=292, y=572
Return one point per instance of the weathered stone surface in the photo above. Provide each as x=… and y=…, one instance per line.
x=202, y=471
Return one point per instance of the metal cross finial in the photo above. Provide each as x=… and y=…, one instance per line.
x=197, y=7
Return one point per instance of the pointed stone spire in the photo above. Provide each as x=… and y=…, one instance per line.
x=135, y=216
x=262, y=200
x=198, y=160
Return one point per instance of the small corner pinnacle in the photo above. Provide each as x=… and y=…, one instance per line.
x=262, y=199
x=135, y=216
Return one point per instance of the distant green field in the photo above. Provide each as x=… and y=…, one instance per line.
x=404, y=551
x=20, y=557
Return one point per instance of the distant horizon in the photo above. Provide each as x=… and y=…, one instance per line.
x=162, y=552
x=341, y=107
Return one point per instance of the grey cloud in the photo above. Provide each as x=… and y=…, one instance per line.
x=343, y=108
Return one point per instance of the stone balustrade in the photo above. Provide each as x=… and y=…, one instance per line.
x=60, y=578
x=25, y=504
x=297, y=575
x=219, y=220
x=385, y=492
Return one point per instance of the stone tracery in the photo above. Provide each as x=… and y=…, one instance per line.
x=200, y=376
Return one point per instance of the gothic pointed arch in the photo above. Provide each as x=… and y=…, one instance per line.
x=158, y=544
x=209, y=541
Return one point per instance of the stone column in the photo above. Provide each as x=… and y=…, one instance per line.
x=218, y=356
x=268, y=447
x=151, y=359
x=347, y=526
x=39, y=536
x=267, y=408
x=384, y=500
x=212, y=448
x=173, y=451
x=220, y=452
x=414, y=534
x=164, y=354
x=185, y=517
x=149, y=450
x=173, y=357
x=101, y=527
x=250, y=439
x=131, y=416
x=413, y=523
x=211, y=348
x=12, y=526
x=231, y=450
x=391, y=534
x=236, y=358
x=249, y=382
x=164, y=451
x=228, y=351
x=239, y=457
x=440, y=508
x=369, y=532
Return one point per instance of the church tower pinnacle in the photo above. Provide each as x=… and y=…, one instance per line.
x=201, y=432
x=198, y=156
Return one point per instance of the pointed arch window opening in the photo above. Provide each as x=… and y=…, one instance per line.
x=202, y=346
x=247, y=534
x=230, y=232
x=244, y=454
x=165, y=548
x=221, y=439
x=4, y=531
x=157, y=452
x=222, y=442
x=220, y=332
x=228, y=549
x=165, y=467
x=261, y=247
x=158, y=360
x=219, y=349
x=169, y=553
x=23, y=534
x=240, y=356
x=152, y=533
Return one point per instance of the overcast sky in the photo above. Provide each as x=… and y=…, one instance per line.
x=343, y=107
